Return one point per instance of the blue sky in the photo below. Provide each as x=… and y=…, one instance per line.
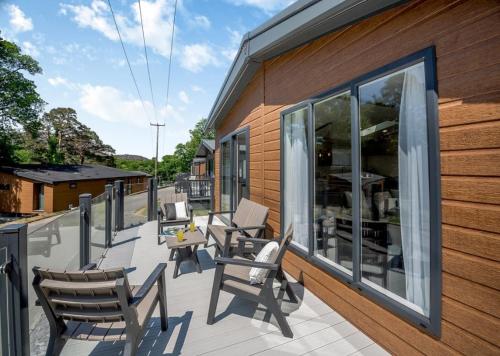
x=83, y=64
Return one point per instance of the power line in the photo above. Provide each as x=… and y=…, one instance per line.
x=130, y=67
x=126, y=57
x=171, y=50
x=147, y=60
x=170, y=63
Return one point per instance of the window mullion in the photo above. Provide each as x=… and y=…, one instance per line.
x=356, y=174
x=311, y=173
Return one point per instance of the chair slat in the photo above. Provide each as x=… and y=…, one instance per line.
x=78, y=300
x=103, y=315
x=51, y=284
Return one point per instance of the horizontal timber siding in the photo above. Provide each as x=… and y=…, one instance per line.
x=466, y=35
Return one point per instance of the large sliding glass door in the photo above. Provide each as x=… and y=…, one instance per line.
x=234, y=170
x=225, y=177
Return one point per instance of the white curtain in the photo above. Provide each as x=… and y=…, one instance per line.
x=296, y=193
x=414, y=188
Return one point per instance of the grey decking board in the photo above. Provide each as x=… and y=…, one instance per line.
x=188, y=299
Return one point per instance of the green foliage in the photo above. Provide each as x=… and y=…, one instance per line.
x=20, y=104
x=65, y=140
x=171, y=165
x=146, y=166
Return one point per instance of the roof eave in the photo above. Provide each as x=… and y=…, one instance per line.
x=300, y=23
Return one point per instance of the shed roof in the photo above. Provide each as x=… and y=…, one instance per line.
x=301, y=22
x=63, y=173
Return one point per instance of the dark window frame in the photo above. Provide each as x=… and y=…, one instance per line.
x=431, y=324
x=230, y=137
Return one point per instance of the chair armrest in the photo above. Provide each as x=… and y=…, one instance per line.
x=244, y=228
x=149, y=283
x=246, y=263
x=88, y=267
x=253, y=240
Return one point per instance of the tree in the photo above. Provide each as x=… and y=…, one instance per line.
x=186, y=152
x=67, y=140
x=20, y=104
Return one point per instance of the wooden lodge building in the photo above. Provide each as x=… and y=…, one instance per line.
x=374, y=128
x=203, y=162
x=50, y=188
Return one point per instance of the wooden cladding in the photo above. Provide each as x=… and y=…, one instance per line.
x=466, y=35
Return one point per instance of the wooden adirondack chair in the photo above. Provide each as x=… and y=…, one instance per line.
x=99, y=305
x=232, y=276
x=249, y=220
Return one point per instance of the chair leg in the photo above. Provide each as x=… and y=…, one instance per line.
x=131, y=347
x=55, y=346
x=291, y=294
x=172, y=254
x=280, y=318
x=163, y=302
x=280, y=276
x=214, y=298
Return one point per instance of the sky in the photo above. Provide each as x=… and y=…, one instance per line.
x=84, y=67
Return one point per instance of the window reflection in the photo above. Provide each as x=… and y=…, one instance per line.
x=333, y=181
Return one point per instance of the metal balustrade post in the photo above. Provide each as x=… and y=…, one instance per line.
x=151, y=212
x=212, y=190
x=154, y=202
x=119, y=205
x=14, y=312
x=108, y=229
x=85, y=228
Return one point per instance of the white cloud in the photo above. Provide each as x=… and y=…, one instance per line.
x=184, y=97
x=30, y=49
x=157, y=18
x=268, y=6
x=201, y=21
x=110, y=104
x=197, y=56
x=197, y=89
x=235, y=38
x=57, y=81
x=18, y=20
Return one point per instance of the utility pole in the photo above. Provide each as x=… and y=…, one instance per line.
x=156, y=159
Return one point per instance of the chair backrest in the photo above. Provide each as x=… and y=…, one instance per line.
x=172, y=197
x=250, y=213
x=85, y=296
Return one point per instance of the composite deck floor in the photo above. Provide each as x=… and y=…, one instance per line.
x=241, y=327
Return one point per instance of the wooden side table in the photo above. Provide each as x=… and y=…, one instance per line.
x=186, y=250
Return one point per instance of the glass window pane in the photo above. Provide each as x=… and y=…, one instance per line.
x=225, y=203
x=395, y=187
x=241, y=151
x=296, y=177
x=333, y=181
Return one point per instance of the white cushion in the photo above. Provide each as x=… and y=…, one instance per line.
x=268, y=255
x=180, y=210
